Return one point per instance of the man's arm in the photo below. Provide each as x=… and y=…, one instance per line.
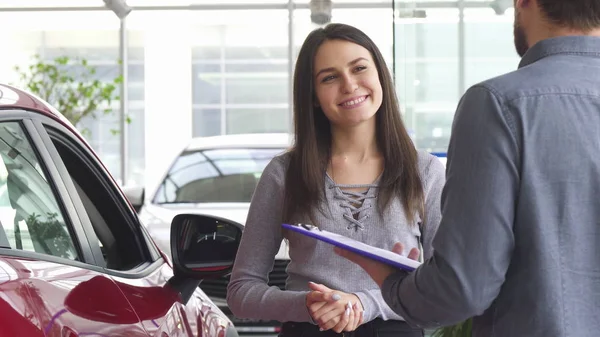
x=474, y=242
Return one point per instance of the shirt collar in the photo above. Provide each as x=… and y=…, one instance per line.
x=579, y=45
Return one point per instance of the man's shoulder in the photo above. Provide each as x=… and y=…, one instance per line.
x=544, y=77
x=507, y=86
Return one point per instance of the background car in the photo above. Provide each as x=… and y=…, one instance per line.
x=215, y=176
x=74, y=258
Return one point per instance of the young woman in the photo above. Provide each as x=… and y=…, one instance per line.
x=353, y=170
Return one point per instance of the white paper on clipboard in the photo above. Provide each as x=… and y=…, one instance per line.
x=363, y=249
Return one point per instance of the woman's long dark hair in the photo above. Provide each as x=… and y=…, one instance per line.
x=304, y=181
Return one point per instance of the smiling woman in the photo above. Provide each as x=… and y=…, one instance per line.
x=354, y=171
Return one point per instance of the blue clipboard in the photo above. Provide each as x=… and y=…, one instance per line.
x=363, y=249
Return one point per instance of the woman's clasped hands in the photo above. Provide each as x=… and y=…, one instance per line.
x=332, y=309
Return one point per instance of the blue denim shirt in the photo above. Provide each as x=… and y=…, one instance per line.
x=519, y=241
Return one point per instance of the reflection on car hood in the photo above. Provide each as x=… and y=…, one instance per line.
x=157, y=218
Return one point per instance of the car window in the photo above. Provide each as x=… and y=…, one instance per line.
x=119, y=240
x=29, y=212
x=216, y=175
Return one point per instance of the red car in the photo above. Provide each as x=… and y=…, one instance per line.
x=74, y=258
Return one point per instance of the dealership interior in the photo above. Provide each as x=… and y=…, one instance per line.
x=224, y=66
x=174, y=74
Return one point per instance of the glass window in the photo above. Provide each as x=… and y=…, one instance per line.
x=29, y=212
x=428, y=58
x=118, y=237
x=257, y=88
x=217, y=175
x=235, y=67
x=206, y=122
x=489, y=44
x=206, y=87
x=257, y=120
x=377, y=23
x=427, y=75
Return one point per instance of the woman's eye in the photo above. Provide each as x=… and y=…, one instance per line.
x=327, y=78
x=360, y=68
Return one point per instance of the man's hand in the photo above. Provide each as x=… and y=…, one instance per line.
x=332, y=309
x=377, y=270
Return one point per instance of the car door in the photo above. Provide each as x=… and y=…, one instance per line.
x=46, y=253
x=124, y=249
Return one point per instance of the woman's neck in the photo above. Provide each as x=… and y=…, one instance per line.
x=357, y=144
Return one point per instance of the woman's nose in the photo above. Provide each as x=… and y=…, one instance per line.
x=350, y=85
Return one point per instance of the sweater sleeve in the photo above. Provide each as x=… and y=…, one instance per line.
x=248, y=294
x=433, y=184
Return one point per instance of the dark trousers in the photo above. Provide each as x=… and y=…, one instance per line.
x=375, y=328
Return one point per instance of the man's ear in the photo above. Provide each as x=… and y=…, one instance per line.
x=522, y=3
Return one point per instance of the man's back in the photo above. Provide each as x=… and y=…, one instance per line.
x=552, y=104
x=518, y=245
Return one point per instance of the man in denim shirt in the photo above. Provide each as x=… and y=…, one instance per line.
x=518, y=246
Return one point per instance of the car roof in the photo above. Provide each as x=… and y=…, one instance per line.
x=12, y=97
x=250, y=140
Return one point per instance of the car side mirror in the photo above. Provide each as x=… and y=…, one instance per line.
x=204, y=246
x=135, y=195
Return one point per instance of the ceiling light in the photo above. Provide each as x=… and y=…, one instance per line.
x=119, y=7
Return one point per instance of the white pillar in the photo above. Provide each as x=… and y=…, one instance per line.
x=168, y=95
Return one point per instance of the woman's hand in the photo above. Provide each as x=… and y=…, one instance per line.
x=332, y=309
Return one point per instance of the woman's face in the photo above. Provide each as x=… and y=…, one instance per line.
x=347, y=83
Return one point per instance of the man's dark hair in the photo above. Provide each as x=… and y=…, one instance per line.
x=576, y=14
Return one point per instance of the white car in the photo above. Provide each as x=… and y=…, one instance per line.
x=214, y=176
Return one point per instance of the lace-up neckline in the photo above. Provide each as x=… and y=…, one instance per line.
x=355, y=204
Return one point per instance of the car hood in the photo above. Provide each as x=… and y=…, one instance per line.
x=157, y=219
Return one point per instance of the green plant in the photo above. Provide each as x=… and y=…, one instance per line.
x=462, y=329
x=71, y=85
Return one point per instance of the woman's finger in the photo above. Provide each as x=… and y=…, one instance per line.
x=351, y=314
x=414, y=254
x=336, y=308
x=346, y=319
x=330, y=319
x=315, y=296
x=315, y=306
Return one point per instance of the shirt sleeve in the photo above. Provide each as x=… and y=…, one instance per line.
x=435, y=178
x=433, y=182
x=248, y=294
x=474, y=243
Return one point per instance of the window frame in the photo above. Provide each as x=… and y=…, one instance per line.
x=50, y=129
x=59, y=191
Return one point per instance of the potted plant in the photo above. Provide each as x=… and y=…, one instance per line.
x=71, y=85
x=462, y=329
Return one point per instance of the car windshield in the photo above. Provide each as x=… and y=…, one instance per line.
x=215, y=175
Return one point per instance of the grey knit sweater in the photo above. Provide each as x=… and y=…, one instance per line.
x=248, y=294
